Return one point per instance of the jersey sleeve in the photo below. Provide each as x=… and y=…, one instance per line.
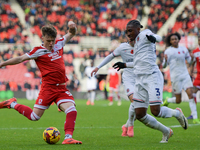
x=34, y=53
x=61, y=41
x=117, y=51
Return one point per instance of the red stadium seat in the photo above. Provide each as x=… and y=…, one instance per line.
x=4, y=18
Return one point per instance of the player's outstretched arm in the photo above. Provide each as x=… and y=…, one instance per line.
x=164, y=64
x=72, y=31
x=15, y=60
x=106, y=60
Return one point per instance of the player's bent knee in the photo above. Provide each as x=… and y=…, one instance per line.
x=155, y=113
x=34, y=117
x=178, y=102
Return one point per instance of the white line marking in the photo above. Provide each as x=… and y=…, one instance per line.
x=173, y=126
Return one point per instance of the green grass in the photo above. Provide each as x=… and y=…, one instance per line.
x=98, y=127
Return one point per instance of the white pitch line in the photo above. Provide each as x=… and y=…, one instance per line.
x=173, y=126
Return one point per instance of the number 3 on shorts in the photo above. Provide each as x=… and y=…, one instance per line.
x=68, y=93
x=158, y=92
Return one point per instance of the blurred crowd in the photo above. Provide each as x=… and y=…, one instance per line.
x=105, y=18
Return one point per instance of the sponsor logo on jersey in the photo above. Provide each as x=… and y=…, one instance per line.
x=129, y=60
x=54, y=55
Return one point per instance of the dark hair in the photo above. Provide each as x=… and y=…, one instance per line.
x=134, y=23
x=167, y=40
x=49, y=30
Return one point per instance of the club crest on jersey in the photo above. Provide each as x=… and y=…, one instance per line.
x=132, y=51
x=178, y=52
x=40, y=101
x=138, y=39
x=183, y=52
x=127, y=90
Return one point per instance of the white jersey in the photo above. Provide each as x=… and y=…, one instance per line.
x=176, y=60
x=125, y=50
x=88, y=71
x=144, y=56
x=91, y=81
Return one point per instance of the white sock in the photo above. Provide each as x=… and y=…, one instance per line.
x=131, y=115
x=171, y=100
x=193, y=108
x=151, y=122
x=12, y=105
x=166, y=112
x=68, y=136
x=93, y=96
x=194, y=95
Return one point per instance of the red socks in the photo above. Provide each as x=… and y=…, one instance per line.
x=70, y=122
x=24, y=110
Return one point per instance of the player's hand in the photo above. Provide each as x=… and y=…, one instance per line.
x=165, y=56
x=94, y=71
x=72, y=27
x=151, y=38
x=119, y=65
x=192, y=55
x=1, y=65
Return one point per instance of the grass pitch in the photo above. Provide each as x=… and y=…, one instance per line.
x=98, y=127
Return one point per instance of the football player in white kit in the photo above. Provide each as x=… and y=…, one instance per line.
x=125, y=50
x=91, y=84
x=175, y=57
x=149, y=81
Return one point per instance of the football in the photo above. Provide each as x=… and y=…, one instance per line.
x=51, y=135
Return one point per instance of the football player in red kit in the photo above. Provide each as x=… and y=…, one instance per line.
x=49, y=59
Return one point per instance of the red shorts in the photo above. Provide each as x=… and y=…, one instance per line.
x=197, y=81
x=114, y=86
x=53, y=93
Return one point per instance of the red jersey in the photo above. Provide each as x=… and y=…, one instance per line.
x=50, y=63
x=114, y=76
x=196, y=53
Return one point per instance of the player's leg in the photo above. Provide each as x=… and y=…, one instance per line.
x=119, y=103
x=177, y=89
x=192, y=105
x=65, y=102
x=150, y=121
x=71, y=113
x=33, y=115
x=141, y=104
x=89, y=97
x=93, y=94
x=195, y=90
x=110, y=98
x=151, y=93
x=127, y=129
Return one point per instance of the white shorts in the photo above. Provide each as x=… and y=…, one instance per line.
x=91, y=84
x=129, y=84
x=184, y=84
x=148, y=90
